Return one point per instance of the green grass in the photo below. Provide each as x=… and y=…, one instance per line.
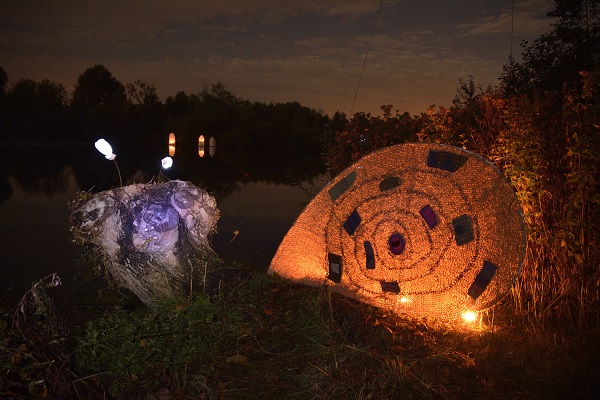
x=272, y=339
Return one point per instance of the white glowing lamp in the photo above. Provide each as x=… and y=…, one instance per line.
x=167, y=162
x=104, y=147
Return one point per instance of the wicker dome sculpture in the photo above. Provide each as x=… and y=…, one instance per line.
x=419, y=229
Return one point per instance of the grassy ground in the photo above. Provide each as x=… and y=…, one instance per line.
x=272, y=339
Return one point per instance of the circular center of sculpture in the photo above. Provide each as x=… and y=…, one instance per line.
x=396, y=242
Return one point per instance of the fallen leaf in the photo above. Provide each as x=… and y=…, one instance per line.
x=268, y=312
x=237, y=359
x=485, y=349
x=163, y=394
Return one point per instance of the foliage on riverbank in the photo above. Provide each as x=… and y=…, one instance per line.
x=269, y=338
x=549, y=149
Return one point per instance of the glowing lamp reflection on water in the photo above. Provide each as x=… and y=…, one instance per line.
x=212, y=146
x=171, y=144
x=201, y=145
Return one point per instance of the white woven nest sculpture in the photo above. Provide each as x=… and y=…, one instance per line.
x=420, y=229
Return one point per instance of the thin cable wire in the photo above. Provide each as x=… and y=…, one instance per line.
x=365, y=61
x=511, y=58
x=512, y=32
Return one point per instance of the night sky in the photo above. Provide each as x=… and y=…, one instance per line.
x=275, y=51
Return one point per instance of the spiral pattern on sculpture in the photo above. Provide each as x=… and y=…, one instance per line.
x=421, y=229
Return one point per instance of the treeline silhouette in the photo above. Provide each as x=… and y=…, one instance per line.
x=100, y=105
x=257, y=141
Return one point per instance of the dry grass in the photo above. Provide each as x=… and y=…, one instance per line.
x=272, y=339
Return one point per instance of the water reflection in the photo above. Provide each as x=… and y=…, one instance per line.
x=34, y=232
x=254, y=191
x=212, y=146
x=171, y=144
x=201, y=145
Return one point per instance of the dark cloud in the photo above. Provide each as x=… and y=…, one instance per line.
x=306, y=51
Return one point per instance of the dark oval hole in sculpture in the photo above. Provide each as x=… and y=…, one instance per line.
x=396, y=242
x=389, y=183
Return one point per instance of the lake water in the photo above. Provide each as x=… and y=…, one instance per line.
x=259, y=195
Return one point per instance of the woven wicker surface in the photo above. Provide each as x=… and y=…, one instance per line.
x=421, y=229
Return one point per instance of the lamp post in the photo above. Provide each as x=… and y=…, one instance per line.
x=105, y=148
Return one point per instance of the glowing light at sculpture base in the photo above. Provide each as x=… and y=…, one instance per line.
x=425, y=230
x=469, y=316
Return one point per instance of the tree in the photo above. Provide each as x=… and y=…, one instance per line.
x=3, y=81
x=179, y=106
x=96, y=87
x=37, y=110
x=557, y=57
x=147, y=109
x=3, y=84
x=142, y=93
x=218, y=110
x=100, y=103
